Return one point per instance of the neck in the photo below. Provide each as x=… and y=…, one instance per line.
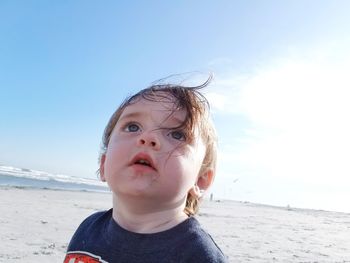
x=147, y=219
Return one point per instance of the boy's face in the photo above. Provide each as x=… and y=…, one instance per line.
x=146, y=158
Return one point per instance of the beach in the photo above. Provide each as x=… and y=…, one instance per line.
x=37, y=224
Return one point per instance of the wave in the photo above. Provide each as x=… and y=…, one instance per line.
x=13, y=176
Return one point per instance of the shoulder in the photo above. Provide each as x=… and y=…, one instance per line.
x=98, y=217
x=95, y=220
x=90, y=229
x=201, y=244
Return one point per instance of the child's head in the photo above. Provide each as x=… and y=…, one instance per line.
x=195, y=123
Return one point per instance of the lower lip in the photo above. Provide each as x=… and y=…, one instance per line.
x=142, y=168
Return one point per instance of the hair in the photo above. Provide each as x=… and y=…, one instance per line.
x=197, y=108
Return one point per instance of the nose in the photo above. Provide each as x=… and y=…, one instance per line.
x=149, y=139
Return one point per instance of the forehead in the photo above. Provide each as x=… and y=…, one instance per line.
x=159, y=106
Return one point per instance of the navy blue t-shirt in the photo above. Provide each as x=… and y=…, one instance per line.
x=100, y=239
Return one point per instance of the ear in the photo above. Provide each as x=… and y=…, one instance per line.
x=204, y=181
x=102, y=168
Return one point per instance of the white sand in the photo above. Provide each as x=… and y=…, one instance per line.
x=36, y=226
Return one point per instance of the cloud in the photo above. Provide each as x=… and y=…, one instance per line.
x=298, y=107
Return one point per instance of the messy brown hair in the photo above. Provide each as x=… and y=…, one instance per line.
x=196, y=106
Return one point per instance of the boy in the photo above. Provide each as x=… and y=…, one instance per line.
x=158, y=157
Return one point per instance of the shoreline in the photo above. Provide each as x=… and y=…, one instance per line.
x=206, y=200
x=38, y=224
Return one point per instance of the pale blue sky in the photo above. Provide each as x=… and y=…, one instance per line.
x=279, y=95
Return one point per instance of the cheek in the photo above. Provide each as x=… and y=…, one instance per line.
x=183, y=169
x=195, y=158
x=114, y=156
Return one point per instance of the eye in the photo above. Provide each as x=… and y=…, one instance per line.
x=131, y=127
x=177, y=135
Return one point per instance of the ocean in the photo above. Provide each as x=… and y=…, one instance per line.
x=27, y=178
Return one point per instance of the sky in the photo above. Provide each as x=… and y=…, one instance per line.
x=279, y=98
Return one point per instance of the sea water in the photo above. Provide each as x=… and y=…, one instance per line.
x=27, y=178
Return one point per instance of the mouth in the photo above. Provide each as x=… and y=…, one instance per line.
x=143, y=159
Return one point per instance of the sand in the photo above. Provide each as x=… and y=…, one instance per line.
x=36, y=226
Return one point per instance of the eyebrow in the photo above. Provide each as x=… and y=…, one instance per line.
x=172, y=118
x=132, y=115
x=138, y=114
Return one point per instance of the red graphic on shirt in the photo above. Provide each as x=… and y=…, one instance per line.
x=82, y=257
